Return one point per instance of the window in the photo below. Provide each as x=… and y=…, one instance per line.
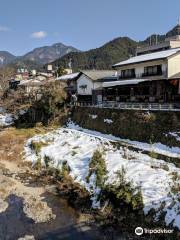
x=153, y=70
x=128, y=73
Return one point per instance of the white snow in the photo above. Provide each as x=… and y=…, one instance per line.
x=76, y=146
x=148, y=57
x=154, y=147
x=6, y=120
x=175, y=134
x=108, y=121
x=93, y=116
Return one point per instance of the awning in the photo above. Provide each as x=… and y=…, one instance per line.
x=124, y=82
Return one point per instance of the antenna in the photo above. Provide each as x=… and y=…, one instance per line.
x=178, y=21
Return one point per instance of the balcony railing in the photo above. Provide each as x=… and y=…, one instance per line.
x=128, y=76
x=142, y=75
x=147, y=74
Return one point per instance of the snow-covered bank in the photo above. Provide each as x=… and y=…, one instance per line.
x=154, y=147
x=6, y=120
x=76, y=146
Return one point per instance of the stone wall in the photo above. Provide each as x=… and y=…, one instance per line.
x=131, y=124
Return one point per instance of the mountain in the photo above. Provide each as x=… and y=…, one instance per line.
x=48, y=54
x=37, y=57
x=6, y=58
x=112, y=52
x=100, y=58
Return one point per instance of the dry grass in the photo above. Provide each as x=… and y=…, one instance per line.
x=12, y=142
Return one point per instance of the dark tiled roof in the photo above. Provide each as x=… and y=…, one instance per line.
x=98, y=74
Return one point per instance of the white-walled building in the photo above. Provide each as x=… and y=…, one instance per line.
x=90, y=82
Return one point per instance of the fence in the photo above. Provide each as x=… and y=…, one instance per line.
x=133, y=106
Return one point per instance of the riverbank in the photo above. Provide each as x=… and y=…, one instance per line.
x=76, y=146
x=72, y=149
x=29, y=206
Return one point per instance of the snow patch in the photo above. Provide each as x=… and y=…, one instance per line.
x=6, y=120
x=108, y=121
x=175, y=135
x=92, y=116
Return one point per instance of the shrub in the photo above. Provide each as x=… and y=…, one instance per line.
x=123, y=192
x=38, y=164
x=65, y=170
x=153, y=154
x=175, y=176
x=73, y=153
x=47, y=161
x=36, y=146
x=98, y=166
x=175, y=188
x=165, y=167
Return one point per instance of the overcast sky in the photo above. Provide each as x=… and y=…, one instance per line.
x=84, y=24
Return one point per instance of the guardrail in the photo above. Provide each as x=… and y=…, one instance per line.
x=133, y=106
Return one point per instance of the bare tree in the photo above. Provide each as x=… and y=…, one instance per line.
x=6, y=73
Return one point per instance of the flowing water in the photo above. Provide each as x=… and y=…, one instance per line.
x=14, y=223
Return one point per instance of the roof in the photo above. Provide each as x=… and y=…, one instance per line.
x=31, y=82
x=124, y=82
x=68, y=76
x=96, y=75
x=148, y=57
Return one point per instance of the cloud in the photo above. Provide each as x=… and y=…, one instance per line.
x=4, y=29
x=40, y=34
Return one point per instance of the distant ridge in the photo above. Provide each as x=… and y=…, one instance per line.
x=38, y=56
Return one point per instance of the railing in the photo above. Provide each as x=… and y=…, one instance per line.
x=127, y=77
x=143, y=75
x=160, y=73
x=133, y=106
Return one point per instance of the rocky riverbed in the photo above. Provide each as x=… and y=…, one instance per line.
x=31, y=210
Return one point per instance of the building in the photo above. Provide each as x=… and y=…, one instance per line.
x=49, y=68
x=70, y=83
x=30, y=86
x=90, y=84
x=148, y=77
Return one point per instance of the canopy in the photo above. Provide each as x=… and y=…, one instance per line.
x=124, y=82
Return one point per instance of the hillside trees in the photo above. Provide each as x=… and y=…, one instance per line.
x=6, y=74
x=100, y=58
x=48, y=107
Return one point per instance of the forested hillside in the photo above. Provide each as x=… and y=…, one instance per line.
x=100, y=58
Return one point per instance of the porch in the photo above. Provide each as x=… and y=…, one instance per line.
x=142, y=91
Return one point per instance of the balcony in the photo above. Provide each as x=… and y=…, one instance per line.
x=143, y=75
x=127, y=76
x=147, y=74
